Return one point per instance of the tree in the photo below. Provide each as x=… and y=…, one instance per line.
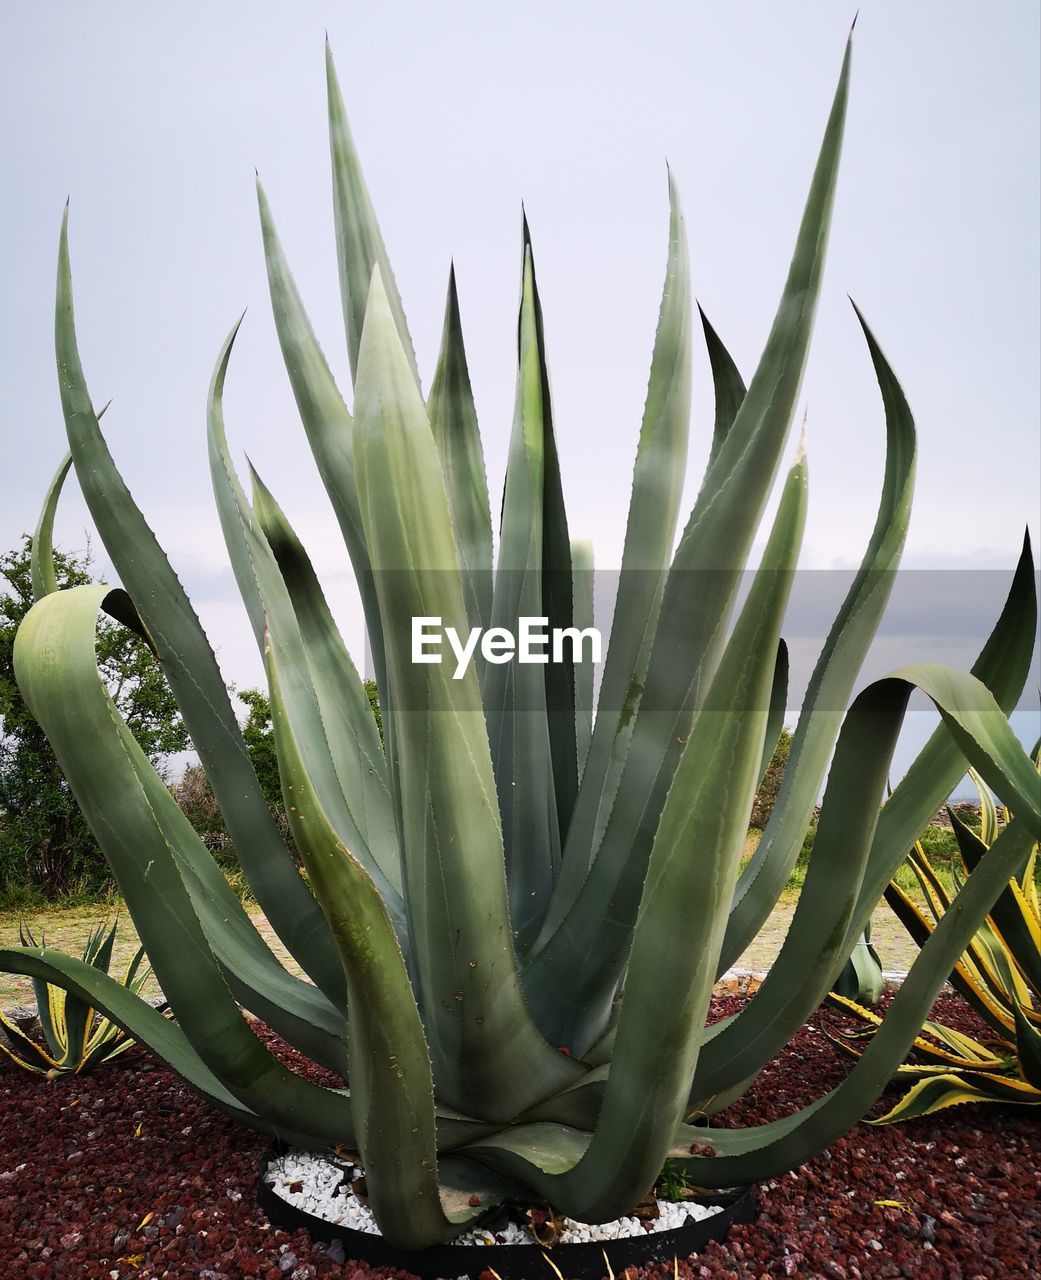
x=766, y=796
x=259, y=738
x=193, y=792
x=44, y=840
x=195, y=795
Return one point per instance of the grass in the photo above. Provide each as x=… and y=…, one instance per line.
x=66, y=923
x=939, y=843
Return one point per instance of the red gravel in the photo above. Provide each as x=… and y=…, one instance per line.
x=126, y=1174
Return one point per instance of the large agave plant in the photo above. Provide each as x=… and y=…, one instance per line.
x=514, y=915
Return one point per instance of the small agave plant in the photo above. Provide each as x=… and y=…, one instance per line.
x=76, y=1038
x=999, y=974
x=514, y=914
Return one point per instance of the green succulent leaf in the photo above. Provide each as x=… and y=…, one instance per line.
x=1002, y=666
x=164, y=1038
x=312, y=686
x=831, y=682
x=188, y=661
x=697, y=601
x=658, y=476
x=359, y=241
x=516, y=696
x=815, y=944
x=152, y=850
x=453, y=420
x=392, y=1089
x=485, y=1049
x=42, y=566
x=582, y=573
x=778, y=706
x=343, y=705
x=727, y=383
x=326, y=419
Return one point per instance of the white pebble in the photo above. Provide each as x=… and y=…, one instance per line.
x=324, y=1192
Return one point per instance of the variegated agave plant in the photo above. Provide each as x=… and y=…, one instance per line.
x=75, y=1038
x=999, y=975
x=513, y=916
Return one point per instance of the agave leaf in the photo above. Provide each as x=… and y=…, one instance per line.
x=350, y=729
x=592, y=973
x=102, y=955
x=1011, y=916
x=701, y=586
x=151, y=847
x=802, y=973
x=780, y=1145
x=969, y=1053
x=1028, y=1048
x=164, y=1038
x=326, y=419
x=658, y=475
x=309, y=687
x=583, y=577
x=965, y=977
x=393, y=1108
x=23, y=1051
x=359, y=242
x=453, y=420
x=936, y=896
x=41, y=994
x=42, y=565
x=976, y=723
x=727, y=384
x=988, y=813
x=189, y=664
x=484, y=1046
x=937, y=1092
x=862, y=972
x=707, y=807
x=1002, y=666
x=778, y=706
x=831, y=683
x=515, y=695
x=556, y=583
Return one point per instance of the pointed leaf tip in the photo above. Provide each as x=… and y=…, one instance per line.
x=800, y=455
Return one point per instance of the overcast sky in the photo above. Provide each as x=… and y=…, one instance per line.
x=152, y=118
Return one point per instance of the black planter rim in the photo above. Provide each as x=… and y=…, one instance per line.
x=583, y=1261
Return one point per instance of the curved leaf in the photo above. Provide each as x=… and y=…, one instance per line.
x=308, y=683
x=188, y=662
x=727, y=383
x=42, y=566
x=831, y=683
x=150, y=846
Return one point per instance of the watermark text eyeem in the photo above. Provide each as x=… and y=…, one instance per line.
x=535, y=641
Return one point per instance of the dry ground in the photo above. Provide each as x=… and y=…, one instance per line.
x=67, y=929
